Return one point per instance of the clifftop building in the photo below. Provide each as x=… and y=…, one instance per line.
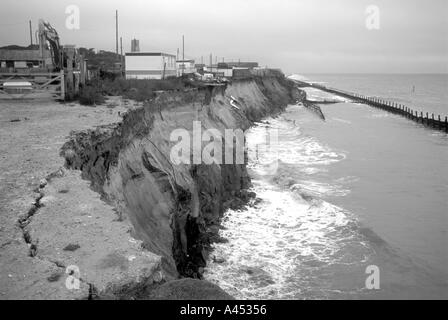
x=230, y=65
x=185, y=67
x=150, y=65
x=16, y=57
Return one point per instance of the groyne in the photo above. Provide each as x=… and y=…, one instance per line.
x=427, y=119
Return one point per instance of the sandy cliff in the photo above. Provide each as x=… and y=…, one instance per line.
x=174, y=209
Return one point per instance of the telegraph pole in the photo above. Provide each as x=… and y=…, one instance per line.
x=183, y=48
x=121, y=54
x=116, y=32
x=31, y=33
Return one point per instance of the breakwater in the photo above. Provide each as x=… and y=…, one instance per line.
x=431, y=120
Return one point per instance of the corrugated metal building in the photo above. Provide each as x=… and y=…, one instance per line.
x=185, y=67
x=236, y=69
x=227, y=72
x=150, y=65
x=23, y=58
x=239, y=64
x=241, y=73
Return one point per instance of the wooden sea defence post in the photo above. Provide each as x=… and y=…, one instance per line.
x=391, y=106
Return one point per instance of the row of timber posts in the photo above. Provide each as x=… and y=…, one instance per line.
x=425, y=119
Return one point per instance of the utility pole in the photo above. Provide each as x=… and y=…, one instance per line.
x=31, y=33
x=121, y=46
x=177, y=55
x=183, y=48
x=211, y=60
x=121, y=54
x=116, y=32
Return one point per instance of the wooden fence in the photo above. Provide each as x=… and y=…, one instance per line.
x=40, y=84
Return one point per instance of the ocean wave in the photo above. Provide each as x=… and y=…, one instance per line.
x=319, y=189
x=317, y=95
x=279, y=240
x=342, y=120
x=283, y=246
x=298, y=77
x=291, y=147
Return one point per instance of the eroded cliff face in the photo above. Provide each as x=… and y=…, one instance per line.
x=175, y=208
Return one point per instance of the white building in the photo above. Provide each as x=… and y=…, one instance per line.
x=150, y=65
x=227, y=72
x=185, y=67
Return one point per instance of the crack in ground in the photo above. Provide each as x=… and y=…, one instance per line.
x=25, y=219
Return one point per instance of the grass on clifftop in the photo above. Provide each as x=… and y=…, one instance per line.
x=140, y=90
x=89, y=95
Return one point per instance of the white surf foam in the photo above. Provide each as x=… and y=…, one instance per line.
x=277, y=248
x=277, y=242
x=292, y=146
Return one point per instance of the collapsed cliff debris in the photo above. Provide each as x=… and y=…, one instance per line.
x=174, y=209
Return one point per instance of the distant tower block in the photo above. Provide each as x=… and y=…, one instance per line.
x=135, y=45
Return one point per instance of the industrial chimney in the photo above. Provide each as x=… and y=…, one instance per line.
x=135, y=45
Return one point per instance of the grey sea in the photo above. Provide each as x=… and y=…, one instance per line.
x=362, y=188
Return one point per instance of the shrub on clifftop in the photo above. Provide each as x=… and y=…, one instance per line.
x=89, y=96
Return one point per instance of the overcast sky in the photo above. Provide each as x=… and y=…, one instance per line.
x=299, y=36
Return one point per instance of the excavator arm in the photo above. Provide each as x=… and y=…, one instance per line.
x=48, y=34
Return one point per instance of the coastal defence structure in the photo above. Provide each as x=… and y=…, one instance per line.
x=426, y=119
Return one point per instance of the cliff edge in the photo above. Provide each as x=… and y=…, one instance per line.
x=147, y=221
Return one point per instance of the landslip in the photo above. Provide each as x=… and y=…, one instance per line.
x=126, y=221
